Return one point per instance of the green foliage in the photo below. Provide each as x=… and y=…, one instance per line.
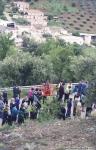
x=3, y=17
x=55, y=23
x=52, y=60
x=29, y=45
x=5, y=45
x=60, y=55
x=57, y=52
x=91, y=93
x=6, y=127
x=93, y=43
x=21, y=21
x=23, y=69
x=76, y=34
x=53, y=7
x=2, y=5
x=84, y=65
x=49, y=111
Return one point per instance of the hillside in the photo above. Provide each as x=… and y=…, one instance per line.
x=56, y=135
x=72, y=15
x=55, y=19
x=32, y=52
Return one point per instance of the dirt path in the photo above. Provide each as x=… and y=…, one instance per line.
x=56, y=135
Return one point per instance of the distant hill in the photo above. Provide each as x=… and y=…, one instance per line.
x=72, y=15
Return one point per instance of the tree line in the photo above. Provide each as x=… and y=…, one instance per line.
x=53, y=60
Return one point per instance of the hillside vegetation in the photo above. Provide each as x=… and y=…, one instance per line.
x=52, y=60
x=73, y=15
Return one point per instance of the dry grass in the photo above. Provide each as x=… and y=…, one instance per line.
x=56, y=135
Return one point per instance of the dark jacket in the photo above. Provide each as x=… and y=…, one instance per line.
x=61, y=90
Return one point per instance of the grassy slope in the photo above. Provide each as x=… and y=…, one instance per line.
x=55, y=7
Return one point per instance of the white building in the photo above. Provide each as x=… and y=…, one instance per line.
x=88, y=38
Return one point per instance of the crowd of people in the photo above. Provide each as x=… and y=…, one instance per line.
x=18, y=109
x=71, y=98
x=75, y=100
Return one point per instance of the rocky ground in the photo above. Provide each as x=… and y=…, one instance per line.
x=53, y=135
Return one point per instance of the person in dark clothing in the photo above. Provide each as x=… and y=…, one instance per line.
x=24, y=110
x=66, y=96
x=75, y=105
x=21, y=116
x=36, y=101
x=84, y=88
x=62, y=113
x=39, y=94
x=12, y=104
x=9, y=120
x=80, y=88
x=69, y=105
x=16, y=91
x=61, y=92
x=17, y=102
x=14, y=113
x=19, y=92
x=5, y=115
x=33, y=112
x=30, y=96
x=75, y=90
x=1, y=107
x=5, y=97
x=88, y=111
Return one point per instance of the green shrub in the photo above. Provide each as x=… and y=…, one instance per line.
x=2, y=6
x=93, y=43
x=3, y=17
x=76, y=34
x=50, y=17
x=10, y=14
x=21, y=21
x=49, y=111
x=54, y=22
